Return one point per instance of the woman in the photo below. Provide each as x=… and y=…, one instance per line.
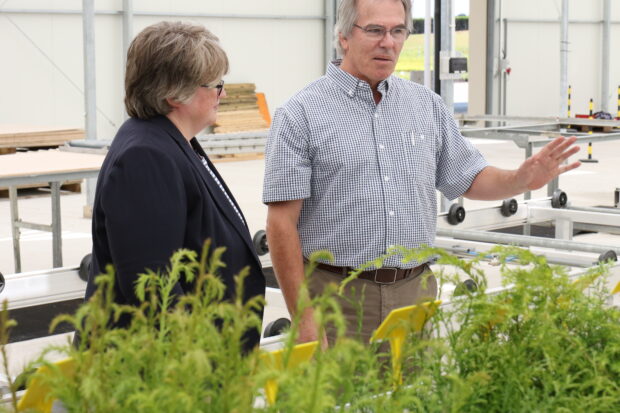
x=157, y=191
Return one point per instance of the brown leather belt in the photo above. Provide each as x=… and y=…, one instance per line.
x=385, y=275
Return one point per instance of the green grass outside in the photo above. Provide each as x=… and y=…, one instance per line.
x=412, y=55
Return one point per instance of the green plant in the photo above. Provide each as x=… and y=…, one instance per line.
x=545, y=344
x=5, y=327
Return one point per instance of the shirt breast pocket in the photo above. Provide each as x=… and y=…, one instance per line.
x=420, y=150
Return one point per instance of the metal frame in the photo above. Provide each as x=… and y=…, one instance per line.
x=55, y=180
x=532, y=132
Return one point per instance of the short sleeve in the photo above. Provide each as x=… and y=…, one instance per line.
x=287, y=163
x=458, y=161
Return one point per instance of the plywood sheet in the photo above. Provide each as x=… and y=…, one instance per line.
x=35, y=163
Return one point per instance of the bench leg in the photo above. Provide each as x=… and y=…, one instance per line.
x=15, y=228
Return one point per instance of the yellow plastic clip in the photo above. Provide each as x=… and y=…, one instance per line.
x=299, y=354
x=36, y=396
x=397, y=325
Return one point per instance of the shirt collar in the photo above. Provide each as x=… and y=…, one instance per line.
x=349, y=83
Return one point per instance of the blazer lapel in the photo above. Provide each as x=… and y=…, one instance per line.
x=218, y=196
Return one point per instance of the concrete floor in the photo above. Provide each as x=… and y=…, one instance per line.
x=591, y=185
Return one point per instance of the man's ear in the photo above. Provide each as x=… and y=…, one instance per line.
x=344, y=43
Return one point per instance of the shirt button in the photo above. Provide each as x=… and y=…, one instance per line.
x=381, y=146
x=350, y=92
x=422, y=137
x=376, y=115
x=386, y=178
x=391, y=213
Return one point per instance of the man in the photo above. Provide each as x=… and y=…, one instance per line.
x=353, y=162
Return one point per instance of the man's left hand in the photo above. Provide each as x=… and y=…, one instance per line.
x=545, y=165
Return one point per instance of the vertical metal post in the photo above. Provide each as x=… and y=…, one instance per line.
x=528, y=153
x=90, y=97
x=504, y=73
x=330, y=19
x=552, y=186
x=618, y=103
x=570, y=92
x=490, y=57
x=500, y=89
x=447, y=19
x=447, y=86
x=563, y=229
x=90, y=87
x=127, y=33
x=56, y=228
x=563, y=56
x=605, y=53
x=427, y=44
x=527, y=227
x=437, y=23
x=14, y=228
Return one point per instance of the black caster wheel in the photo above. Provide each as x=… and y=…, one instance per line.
x=2, y=282
x=85, y=267
x=456, y=214
x=260, y=242
x=276, y=327
x=605, y=257
x=467, y=286
x=559, y=199
x=509, y=207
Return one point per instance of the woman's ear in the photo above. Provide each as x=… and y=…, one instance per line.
x=173, y=103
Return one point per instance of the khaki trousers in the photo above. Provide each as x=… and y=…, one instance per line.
x=375, y=300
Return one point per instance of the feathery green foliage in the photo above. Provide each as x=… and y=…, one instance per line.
x=543, y=345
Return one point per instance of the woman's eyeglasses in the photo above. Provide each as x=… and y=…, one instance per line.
x=219, y=86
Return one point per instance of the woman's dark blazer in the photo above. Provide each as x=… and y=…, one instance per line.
x=154, y=196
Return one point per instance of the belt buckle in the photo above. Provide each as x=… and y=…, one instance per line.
x=386, y=268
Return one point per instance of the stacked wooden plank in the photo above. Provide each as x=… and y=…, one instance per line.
x=14, y=136
x=239, y=110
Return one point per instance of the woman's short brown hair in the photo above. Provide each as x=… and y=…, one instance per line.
x=170, y=60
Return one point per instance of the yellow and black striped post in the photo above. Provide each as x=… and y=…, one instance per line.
x=591, y=114
x=589, y=158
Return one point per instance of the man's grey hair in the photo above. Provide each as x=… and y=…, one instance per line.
x=347, y=16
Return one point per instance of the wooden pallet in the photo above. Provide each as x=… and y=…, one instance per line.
x=587, y=128
x=234, y=157
x=14, y=136
x=241, y=110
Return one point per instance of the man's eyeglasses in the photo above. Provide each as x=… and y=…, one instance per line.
x=219, y=86
x=374, y=31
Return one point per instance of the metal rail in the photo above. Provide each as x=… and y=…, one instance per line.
x=525, y=241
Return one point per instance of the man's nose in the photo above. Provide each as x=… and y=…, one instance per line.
x=387, y=40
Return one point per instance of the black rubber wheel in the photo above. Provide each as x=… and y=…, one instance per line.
x=85, y=267
x=608, y=256
x=509, y=207
x=2, y=282
x=456, y=214
x=466, y=286
x=276, y=327
x=559, y=199
x=260, y=242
